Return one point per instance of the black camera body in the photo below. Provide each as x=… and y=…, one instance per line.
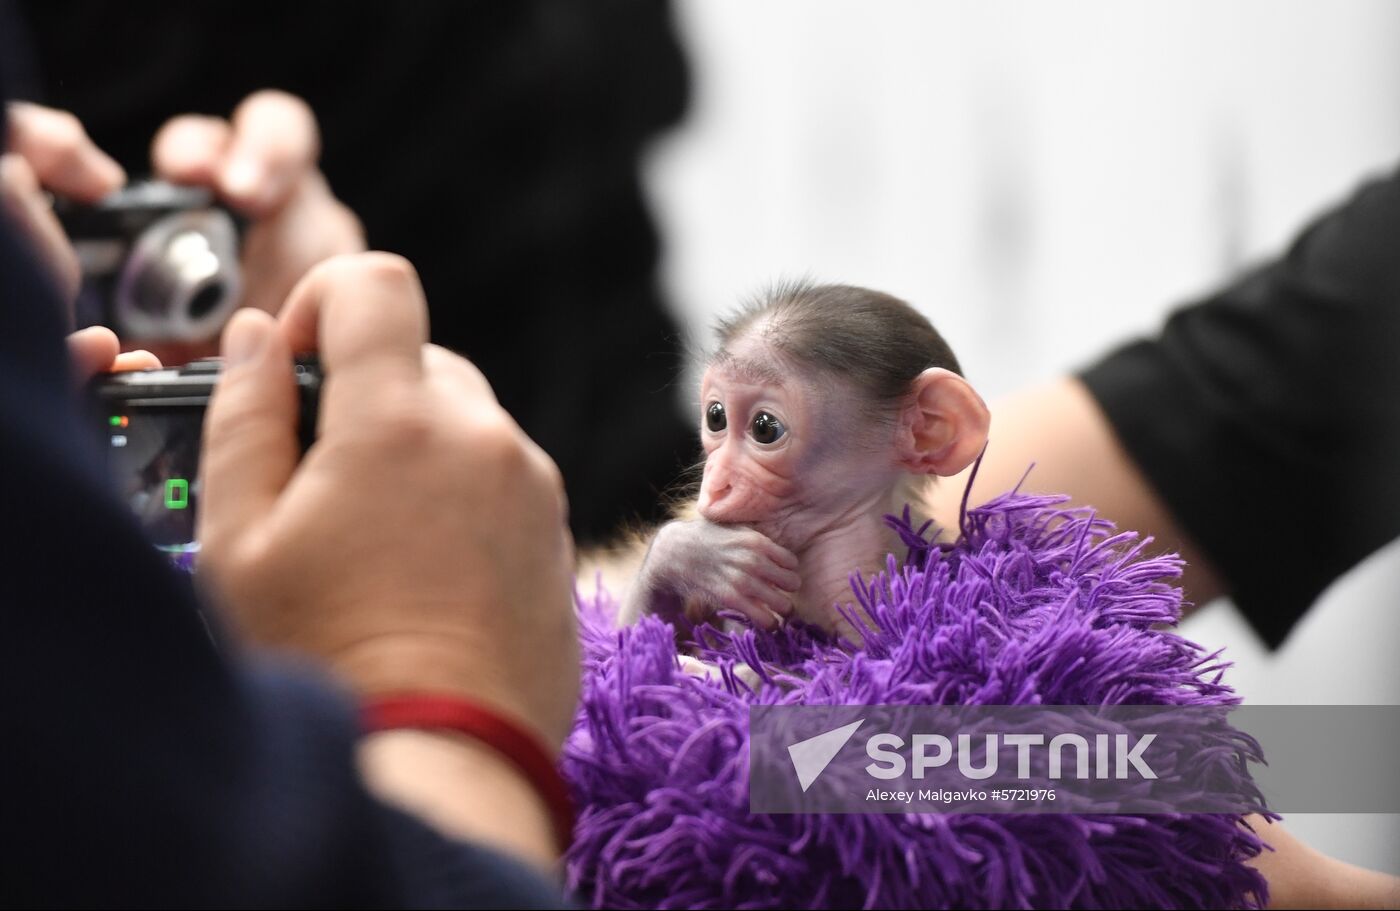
x=151, y=423
x=159, y=261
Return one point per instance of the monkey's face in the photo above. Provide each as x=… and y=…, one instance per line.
x=786, y=452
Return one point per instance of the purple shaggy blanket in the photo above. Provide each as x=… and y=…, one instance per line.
x=1033, y=604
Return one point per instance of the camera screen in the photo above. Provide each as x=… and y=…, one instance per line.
x=153, y=456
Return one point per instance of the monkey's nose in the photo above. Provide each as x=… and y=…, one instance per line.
x=712, y=497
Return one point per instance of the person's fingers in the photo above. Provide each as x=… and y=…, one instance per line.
x=190, y=149
x=366, y=315
x=458, y=370
x=462, y=385
x=275, y=142
x=310, y=227
x=174, y=352
x=140, y=359
x=64, y=159
x=250, y=430
x=27, y=207
x=91, y=351
x=96, y=350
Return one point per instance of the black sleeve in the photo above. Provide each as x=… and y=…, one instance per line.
x=1268, y=415
x=140, y=767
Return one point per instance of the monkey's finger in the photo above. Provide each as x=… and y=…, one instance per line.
x=782, y=606
x=736, y=599
x=775, y=552
x=761, y=616
x=784, y=557
x=57, y=147
x=190, y=149
x=757, y=614
x=766, y=596
x=781, y=577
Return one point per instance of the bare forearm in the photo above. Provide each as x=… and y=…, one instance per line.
x=461, y=787
x=1060, y=428
x=1301, y=877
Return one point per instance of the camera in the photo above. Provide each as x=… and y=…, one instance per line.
x=151, y=423
x=159, y=261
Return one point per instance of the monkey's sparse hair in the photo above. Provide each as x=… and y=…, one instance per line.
x=872, y=339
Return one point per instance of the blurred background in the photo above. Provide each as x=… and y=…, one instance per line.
x=1045, y=180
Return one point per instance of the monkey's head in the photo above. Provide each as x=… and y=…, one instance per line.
x=821, y=402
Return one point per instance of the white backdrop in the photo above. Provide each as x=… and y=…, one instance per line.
x=1044, y=180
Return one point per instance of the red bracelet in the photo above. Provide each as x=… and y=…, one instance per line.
x=432, y=711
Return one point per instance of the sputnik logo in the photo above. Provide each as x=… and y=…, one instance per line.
x=810, y=757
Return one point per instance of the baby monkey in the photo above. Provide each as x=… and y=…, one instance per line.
x=825, y=408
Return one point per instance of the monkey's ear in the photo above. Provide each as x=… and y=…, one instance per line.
x=943, y=425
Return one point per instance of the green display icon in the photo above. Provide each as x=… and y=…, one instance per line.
x=177, y=493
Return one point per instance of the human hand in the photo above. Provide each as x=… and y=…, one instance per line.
x=421, y=544
x=96, y=350
x=261, y=162
x=700, y=566
x=47, y=150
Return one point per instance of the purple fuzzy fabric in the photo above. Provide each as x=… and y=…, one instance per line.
x=1033, y=604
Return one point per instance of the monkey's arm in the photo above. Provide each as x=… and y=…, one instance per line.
x=1062, y=430
x=617, y=564
x=649, y=591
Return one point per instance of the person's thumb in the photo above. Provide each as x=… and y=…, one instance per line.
x=250, y=431
x=91, y=351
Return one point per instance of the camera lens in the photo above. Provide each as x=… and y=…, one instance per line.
x=206, y=299
x=181, y=278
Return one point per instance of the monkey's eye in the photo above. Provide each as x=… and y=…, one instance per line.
x=767, y=429
x=714, y=417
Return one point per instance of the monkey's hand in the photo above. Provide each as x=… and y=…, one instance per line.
x=695, y=567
